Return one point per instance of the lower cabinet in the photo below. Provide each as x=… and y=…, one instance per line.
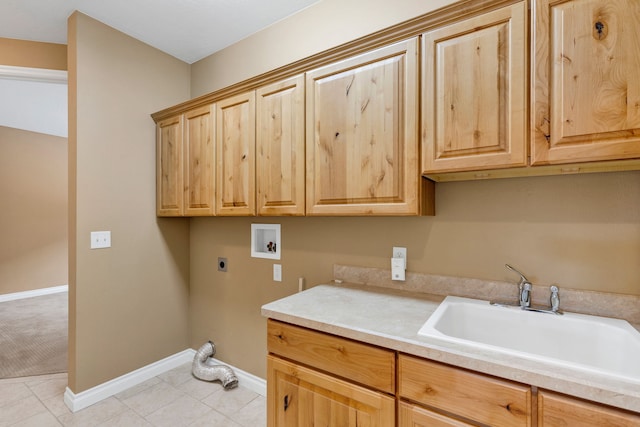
x=319, y=379
x=463, y=394
x=327, y=380
x=298, y=396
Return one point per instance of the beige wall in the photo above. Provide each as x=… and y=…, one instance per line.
x=577, y=231
x=33, y=177
x=129, y=303
x=24, y=53
x=324, y=25
x=33, y=220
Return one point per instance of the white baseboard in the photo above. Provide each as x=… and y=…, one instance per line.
x=79, y=401
x=33, y=293
x=76, y=402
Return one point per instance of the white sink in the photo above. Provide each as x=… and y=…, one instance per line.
x=595, y=344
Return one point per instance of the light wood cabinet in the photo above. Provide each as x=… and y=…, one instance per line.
x=474, y=93
x=235, y=152
x=301, y=397
x=362, y=134
x=315, y=378
x=280, y=148
x=558, y=410
x=199, y=164
x=358, y=362
x=327, y=380
x=586, y=89
x=169, y=179
x=483, y=399
x=415, y=416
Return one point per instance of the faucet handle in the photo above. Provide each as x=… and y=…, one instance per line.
x=554, y=299
x=522, y=278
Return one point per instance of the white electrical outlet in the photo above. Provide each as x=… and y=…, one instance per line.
x=100, y=239
x=399, y=252
x=277, y=272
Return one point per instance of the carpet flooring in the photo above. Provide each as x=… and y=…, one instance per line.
x=34, y=336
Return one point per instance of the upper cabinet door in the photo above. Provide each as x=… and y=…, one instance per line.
x=169, y=191
x=235, y=142
x=199, y=161
x=474, y=93
x=280, y=148
x=362, y=137
x=586, y=80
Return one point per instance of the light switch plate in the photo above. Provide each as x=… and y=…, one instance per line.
x=100, y=239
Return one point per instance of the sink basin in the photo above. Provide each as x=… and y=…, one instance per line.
x=591, y=343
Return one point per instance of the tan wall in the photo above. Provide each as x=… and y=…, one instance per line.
x=129, y=303
x=576, y=231
x=24, y=53
x=33, y=174
x=324, y=25
x=33, y=219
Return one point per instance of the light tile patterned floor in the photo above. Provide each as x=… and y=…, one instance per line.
x=172, y=399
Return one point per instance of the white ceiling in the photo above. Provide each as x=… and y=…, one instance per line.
x=186, y=29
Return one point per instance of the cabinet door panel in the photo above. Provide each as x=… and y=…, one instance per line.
x=362, y=146
x=235, y=142
x=169, y=191
x=280, y=155
x=199, y=161
x=587, y=91
x=474, y=93
x=301, y=397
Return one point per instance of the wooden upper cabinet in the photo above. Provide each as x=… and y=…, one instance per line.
x=169, y=182
x=280, y=149
x=235, y=153
x=586, y=80
x=199, y=165
x=474, y=93
x=362, y=135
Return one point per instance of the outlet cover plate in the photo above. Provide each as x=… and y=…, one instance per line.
x=100, y=239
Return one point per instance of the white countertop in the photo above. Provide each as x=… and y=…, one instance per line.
x=391, y=318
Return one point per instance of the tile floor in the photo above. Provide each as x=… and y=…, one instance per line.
x=173, y=399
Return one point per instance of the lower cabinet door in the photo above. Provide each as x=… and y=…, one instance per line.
x=415, y=416
x=301, y=397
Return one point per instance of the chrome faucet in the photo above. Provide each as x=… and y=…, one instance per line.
x=554, y=300
x=524, y=296
x=524, y=289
